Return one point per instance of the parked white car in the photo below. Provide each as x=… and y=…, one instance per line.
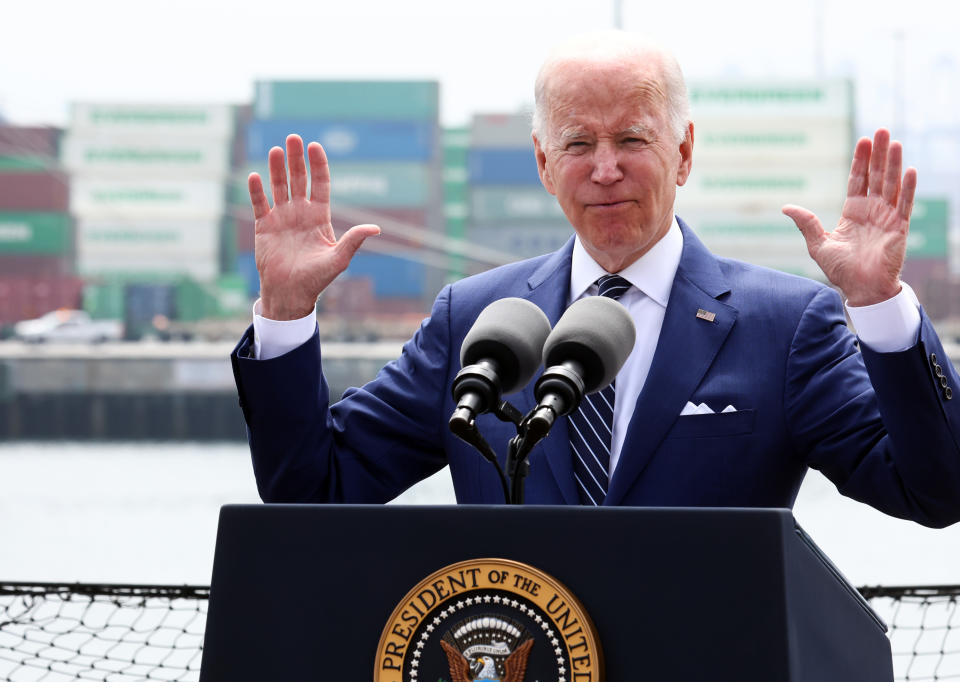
x=68, y=325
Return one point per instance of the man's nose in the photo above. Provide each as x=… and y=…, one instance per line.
x=606, y=165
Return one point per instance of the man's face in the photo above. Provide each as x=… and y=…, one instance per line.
x=610, y=157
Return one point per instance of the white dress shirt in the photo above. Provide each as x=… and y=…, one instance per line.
x=885, y=327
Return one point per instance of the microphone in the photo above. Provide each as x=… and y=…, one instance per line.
x=499, y=355
x=582, y=355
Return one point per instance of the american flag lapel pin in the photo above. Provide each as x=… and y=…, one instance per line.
x=706, y=315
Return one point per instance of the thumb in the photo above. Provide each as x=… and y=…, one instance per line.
x=352, y=239
x=809, y=225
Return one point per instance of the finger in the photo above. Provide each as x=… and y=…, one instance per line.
x=809, y=225
x=297, y=167
x=278, y=176
x=891, y=177
x=319, y=174
x=857, y=183
x=261, y=207
x=907, y=192
x=878, y=160
x=351, y=240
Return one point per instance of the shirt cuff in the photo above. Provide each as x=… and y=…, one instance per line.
x=889, y=326
x=273, y=338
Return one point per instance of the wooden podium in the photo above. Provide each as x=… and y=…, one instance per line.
x=305, y=592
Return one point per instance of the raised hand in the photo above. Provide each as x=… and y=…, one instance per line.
x=863, y=256
x=297, y=253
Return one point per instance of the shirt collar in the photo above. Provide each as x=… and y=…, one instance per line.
x=652, y=273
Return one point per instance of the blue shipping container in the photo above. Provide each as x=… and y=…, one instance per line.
x=348, y=140
x=393, y=277
x=502, y=167
x=246, y=267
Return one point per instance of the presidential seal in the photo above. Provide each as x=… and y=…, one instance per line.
x=489, y=620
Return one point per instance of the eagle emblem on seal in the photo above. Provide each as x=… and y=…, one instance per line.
x=487, y=649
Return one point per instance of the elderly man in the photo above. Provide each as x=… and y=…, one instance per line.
x=778, y=380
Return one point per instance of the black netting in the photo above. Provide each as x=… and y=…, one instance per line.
x=119, y=633
x=924, y=627
x=115, y=633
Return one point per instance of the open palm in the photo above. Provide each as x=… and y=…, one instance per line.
x=297, y=252
x=863, y=256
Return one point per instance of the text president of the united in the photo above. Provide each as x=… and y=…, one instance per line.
x=787, y=386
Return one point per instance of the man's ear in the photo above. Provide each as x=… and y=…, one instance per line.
x=686, y=156
x=542, y=168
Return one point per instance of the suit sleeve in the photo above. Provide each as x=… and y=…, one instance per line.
x=370, y=446
x=882, y=426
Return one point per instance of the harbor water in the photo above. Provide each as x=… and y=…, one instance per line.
x=147, y=513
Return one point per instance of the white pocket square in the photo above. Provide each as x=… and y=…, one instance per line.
x=702, y=408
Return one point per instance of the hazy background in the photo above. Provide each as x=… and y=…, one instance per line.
x=144, y=513
x=903, y=56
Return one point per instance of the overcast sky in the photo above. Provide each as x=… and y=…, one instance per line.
x=53, y=52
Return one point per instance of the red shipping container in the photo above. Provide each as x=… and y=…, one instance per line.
x=930, y=279
x=243, y=115
x=25, y=298
x=400, y=306
x=34, y=265
x=41, y=191
x=29, y=141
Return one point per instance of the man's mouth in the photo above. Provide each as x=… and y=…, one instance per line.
x=609, y=204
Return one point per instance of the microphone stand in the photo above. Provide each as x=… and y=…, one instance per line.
x=467, y=431
x=529, y=433
x=518, y=448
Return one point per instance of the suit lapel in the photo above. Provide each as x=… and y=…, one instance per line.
x=550, y=289
x=685, y=350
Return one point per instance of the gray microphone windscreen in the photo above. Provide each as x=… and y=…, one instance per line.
x=510, y=331
x=596, y=332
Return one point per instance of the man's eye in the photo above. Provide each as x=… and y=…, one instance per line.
x=576, y=145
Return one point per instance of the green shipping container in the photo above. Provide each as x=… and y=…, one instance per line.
x=26, y=163
x=227, y=297
x=35, y=232
x=928, y=229
x=104, y=301
x=381, y=100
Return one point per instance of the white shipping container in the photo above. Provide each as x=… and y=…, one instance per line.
x=103, y=239
x=489, y=131
x=142, y=265
x=148, y=119
x=147, y=198
x=145, y=156
x=762, y=237
x=781, y=142
x=830, y=99
x=757, y=188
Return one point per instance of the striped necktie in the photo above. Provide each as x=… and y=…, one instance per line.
x=591, y=424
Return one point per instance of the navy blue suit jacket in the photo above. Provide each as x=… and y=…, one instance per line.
x=880, y=426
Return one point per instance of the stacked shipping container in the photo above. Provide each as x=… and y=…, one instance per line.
x=510, y=211
x=149, y=186
x=927, y=266
x=757, y=147
x=36, y=231
x=456, y=142
x=381, y=140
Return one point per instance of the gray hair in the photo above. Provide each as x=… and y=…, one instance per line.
x=609, y=45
